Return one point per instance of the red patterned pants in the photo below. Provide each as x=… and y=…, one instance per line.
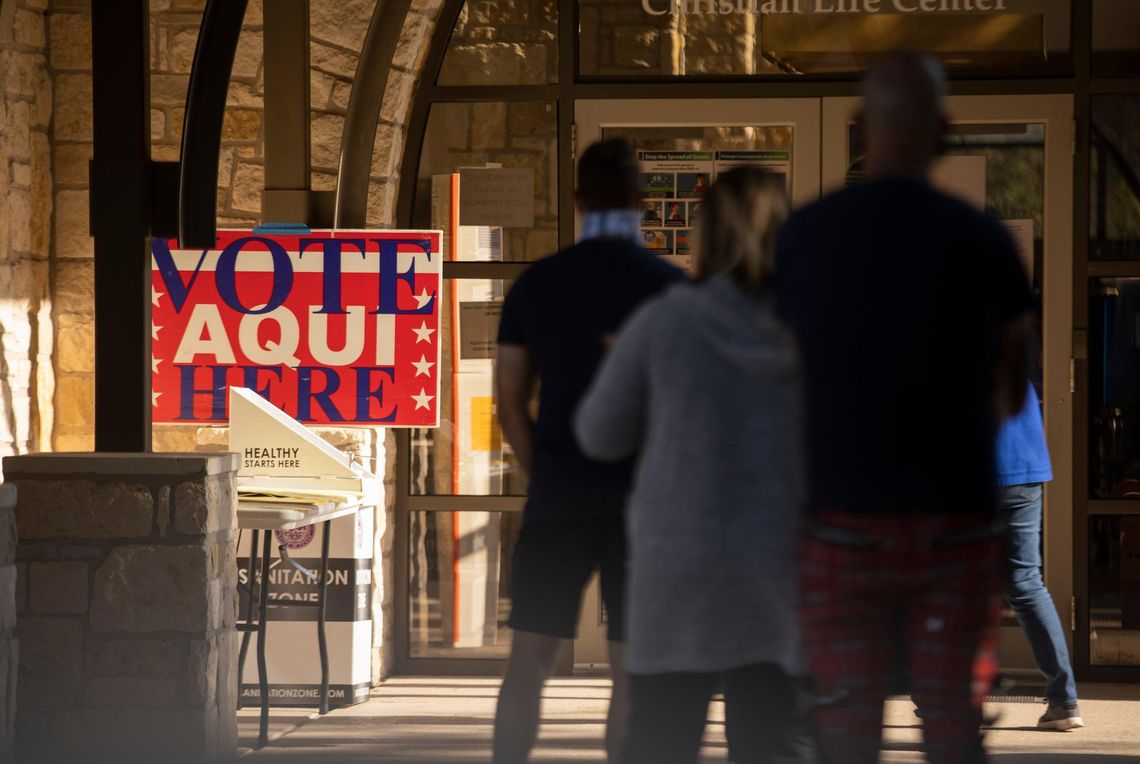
x=880, y=588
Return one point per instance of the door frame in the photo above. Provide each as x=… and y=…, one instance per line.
x=1063, y=510
x=819, y=162
x=591, y=118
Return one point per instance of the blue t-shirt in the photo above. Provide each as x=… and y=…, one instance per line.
x=1022, y=456
x=561, y=310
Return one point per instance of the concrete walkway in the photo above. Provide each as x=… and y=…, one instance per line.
x=428, y=719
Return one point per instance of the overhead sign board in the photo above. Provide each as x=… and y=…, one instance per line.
x=330, y=327
x=787, y=7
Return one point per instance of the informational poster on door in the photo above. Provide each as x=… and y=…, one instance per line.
x=1022, y=233
x=331, y=327
x=673, y=184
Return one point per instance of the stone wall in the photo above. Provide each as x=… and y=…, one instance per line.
x=25, y=217
x=9, y=646
x=127, y=599
x=338, y=30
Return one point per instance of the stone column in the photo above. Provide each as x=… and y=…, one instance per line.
x=128, y=574
x=8, y=645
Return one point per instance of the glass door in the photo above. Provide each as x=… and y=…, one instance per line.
x=1012, y=156
x=459, y=491
x=682, y=144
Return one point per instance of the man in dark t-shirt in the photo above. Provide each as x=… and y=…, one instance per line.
x=910, y=309
x=555, y=324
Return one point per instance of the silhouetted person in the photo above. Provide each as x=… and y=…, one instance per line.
x=555, y=324
x=703, y=385
x=1023, y=467
x=911, y=310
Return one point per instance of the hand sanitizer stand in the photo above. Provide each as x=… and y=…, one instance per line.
x=305, y=510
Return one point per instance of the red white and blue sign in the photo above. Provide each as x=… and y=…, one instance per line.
x=331, y=327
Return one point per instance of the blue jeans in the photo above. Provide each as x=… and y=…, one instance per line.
x=1027, y=595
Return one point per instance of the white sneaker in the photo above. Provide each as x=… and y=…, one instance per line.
x=1060, y=718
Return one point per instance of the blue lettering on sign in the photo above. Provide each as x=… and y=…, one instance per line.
x=305, y=394
x=251, y=374
x=390, y=276
x=216, y=392
x=177, y=290
x=332, y=251
x=365, y=393
x=226, y=275
x=331, y=284
x=207, y=384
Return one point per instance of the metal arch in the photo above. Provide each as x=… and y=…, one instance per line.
x=363, y=116
x=421, y=105
x=202, y=123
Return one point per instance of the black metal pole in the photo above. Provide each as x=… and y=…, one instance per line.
x=202, y=122
x=251, y=599
x=287, y=146
x=322, y=586
x=262, y=628
x=120, y=223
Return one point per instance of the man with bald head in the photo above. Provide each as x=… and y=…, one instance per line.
x=911, y=311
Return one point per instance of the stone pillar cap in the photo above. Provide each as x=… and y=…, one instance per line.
x=189, y=463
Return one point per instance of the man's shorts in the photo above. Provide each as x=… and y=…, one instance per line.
x=553, y=562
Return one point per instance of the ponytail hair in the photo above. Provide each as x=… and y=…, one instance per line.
x=739, y=219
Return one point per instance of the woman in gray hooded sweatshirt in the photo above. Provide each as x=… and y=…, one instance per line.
x=703, y=385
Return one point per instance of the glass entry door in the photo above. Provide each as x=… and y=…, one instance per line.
x=1013, y=157
x=682, y=144
x=1009, y=155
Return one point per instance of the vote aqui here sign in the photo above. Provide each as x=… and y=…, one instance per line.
x=330, y=327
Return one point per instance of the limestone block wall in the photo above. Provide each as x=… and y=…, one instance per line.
x=338, y=30
x=127, y=599
x=9, y=647
x=25, y=225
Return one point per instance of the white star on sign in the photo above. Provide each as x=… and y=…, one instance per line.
x=423, y=400
x=154, y=362
x=423, y=366
x=154, y=330
x=423, y=298
x=154, y=398
x=155, y=296
x=423, y=334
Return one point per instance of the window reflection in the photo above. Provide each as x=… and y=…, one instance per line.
x=466, y=454
x=1115, y=193
x=518, y=135
x=1114, y=586
x=1115, y=372
x=698, y=38
x=1116, y=38
x=459, y=583
x=503, y=42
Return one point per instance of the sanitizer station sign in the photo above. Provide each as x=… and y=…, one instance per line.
x=331, y=327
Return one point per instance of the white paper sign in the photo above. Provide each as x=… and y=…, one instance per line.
x=497, y=196
x=1022, y=233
